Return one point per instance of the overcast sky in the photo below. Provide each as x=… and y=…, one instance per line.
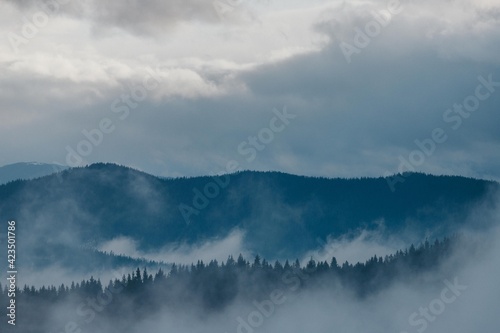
x=177, y=87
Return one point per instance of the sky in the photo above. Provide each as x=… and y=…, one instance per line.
x=321, y=88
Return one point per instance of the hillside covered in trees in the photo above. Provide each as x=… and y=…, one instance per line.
x=211, y=287
x=281, y=215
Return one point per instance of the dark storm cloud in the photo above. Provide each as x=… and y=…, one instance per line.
x=396, y=90
x=354, y=118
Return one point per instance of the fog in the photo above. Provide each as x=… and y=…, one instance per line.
x=461, y=295
x=359, y=246
x=217, y=249
x=465, y=300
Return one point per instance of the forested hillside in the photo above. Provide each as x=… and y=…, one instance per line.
x=212, y=287
x=281, y=215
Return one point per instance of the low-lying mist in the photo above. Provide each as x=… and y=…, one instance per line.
x=460, y=294
x=457, y=292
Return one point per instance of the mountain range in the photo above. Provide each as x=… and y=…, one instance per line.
x=280, y=215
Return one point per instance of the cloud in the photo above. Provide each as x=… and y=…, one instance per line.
x=218, y=249
x=359, y=247
x=121, y=245
x=138, y=17
x=467, y=283
x=220, y=82
x=55, y=275
x=398, y=307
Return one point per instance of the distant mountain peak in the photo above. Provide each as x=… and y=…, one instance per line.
x=27, y=170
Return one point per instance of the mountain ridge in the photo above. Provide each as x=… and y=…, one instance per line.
x=281, y=215
x=27, y=171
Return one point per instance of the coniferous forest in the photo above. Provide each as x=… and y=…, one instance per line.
x=249, y=166
x=106, y=249
x=207, y=288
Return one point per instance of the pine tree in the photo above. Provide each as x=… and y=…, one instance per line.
x=311, y=265
x=256, y=262
x=241, y=263
x=333, y=264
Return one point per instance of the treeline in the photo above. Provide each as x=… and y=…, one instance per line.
x=215, y=276
x=207, y=287
x=112, y=199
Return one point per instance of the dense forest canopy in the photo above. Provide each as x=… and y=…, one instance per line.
x=213, y=286
x=282, y=215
